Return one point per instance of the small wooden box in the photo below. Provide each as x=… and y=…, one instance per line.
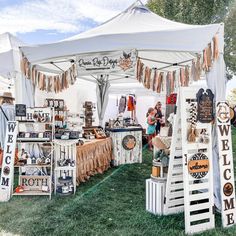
x=155, y=195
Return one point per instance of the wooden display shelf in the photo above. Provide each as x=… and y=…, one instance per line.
x=33, y=140
x=65, y=168
x=34, y=122
x=33, y=165
x=32, y=193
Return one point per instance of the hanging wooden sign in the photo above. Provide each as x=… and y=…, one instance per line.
x=198, y=166
x=205, y=106
x=228, y=210
x=129, y=142
x=107, y=62
x=7, y=174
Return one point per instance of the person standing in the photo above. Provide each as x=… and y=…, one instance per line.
x=151, y=129
x=7, y=113
x=158, y=117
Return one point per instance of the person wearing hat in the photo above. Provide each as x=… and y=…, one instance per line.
x=7, y=112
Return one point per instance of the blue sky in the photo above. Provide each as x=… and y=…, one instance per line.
x=46, y=21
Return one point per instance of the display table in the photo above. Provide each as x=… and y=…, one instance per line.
x=127, y=145
x=93, y=157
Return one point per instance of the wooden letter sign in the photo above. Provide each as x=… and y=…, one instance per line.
x=226, y=164
x=205, y=106
x=7, y=174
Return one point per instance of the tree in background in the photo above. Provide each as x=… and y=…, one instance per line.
x=232, y=98
x=203, y=12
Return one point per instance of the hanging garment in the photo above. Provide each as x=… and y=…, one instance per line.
x=131, y=103
x=194, y=71
x=122, y=104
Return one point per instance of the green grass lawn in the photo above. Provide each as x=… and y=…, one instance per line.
x=109, y=204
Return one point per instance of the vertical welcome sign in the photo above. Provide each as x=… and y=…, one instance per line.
x=7, y=174
x=226, y=164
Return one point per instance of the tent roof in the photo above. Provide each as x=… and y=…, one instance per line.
x=136, y=27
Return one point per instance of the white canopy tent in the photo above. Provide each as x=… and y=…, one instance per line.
x=162, y=42
x=159, y=42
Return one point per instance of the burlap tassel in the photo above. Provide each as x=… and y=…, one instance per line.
x=205, y=65
x=182, y=77
x=148, y=81
x=55, y=84
x=186, y=76
x=58, y=84
x=49, y=88
x=44, y=83
x=33, y=75
x=193, y=71
x=160, y=82
x=173, y=84
x=215, y=48
x=168, y=82
x=155, y=78
x=198, y=67
x=139, y=73
x=66, y=79
x=209, y=56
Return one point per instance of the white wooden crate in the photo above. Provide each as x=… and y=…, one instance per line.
x=155, y=194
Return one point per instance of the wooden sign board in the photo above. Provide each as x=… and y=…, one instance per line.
x=226, y=164
x=205, y=103
x=34, y=183
x=38, y=114
x=20, y=110
x=7, y=174
x=104, y=63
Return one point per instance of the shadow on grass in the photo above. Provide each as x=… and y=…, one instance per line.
x=114, y=207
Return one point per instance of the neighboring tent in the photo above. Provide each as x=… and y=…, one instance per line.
x=10, y=68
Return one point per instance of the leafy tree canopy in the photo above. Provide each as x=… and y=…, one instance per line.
x=203, y=12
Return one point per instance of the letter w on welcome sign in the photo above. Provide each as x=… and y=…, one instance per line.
x=226, y=164
x=7, y=174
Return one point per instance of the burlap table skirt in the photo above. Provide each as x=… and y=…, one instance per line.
x=92, y=158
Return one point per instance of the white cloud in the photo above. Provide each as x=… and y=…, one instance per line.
x=60, y=15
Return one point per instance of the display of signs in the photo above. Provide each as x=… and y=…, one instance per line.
x=198, y=165
x=226, y=164
x=38, y=114
x=108, y=62
x=34, y=183
x=205, y=106
x=129, y=142
x=7, y=174
x=20, y=109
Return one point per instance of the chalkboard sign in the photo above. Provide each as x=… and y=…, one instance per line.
x=205, y=106
x=20, y=110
